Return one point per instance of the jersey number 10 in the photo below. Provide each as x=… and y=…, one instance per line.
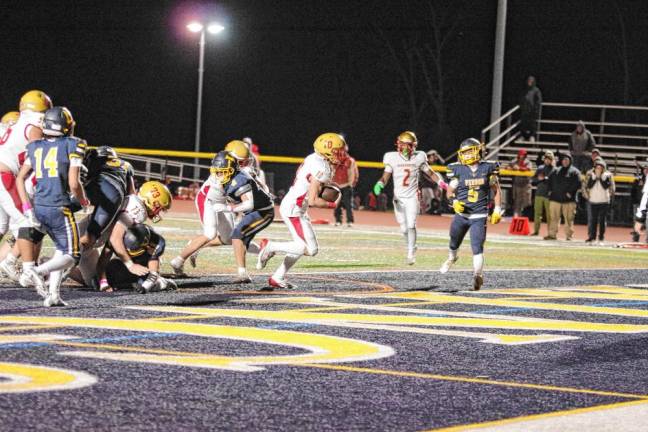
x=50, y=163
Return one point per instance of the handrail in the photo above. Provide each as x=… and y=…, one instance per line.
x=502, y=117
x=593, y=123
x=579, y=105
x=506, y=131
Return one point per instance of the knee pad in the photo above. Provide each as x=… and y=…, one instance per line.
x=210, y=232
x=31, y=234
x=312, y=250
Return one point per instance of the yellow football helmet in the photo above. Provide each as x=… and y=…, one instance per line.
x=223, y=166
x=35, y=100
x=240, y=151
x=330, y=146
x=469, y=151
x=10, y=118
x=406, y=143
x=156, y=198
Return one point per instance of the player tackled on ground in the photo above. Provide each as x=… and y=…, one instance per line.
x=314, y=173
x=56, y=160
x=404, y=165
x=471, y=183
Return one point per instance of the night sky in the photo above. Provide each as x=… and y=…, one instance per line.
x=285, y=71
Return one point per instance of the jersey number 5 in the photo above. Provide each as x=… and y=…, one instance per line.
x=473, y=195
x=50, y=163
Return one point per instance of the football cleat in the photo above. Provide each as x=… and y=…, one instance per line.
x=10, y=271
x=280, y=283
x=242, y=279
x=52, y=300
x=264, y=256
x=178, y=266
x=478, y=281
x=148, y=284
x=445, y=267
x=31, y=278
x=164, y=284
x=192, y=258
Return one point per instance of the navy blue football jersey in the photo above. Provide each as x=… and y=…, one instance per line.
x=473, y=187
x=50, y=159
x=115, y=169
x=243, y=183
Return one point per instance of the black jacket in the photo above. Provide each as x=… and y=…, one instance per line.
x=564, y=182
x=542, y=186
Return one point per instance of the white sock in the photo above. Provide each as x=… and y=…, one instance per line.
x=287, y=263
x=11, y=259
x=478, y=264
x=452, y=254
x=253, y=248
x=55, y=283
x=177, y=261
x=242, y=271
x=58, y=262
x=289, y=248
x=411, y=240
x=27, y=265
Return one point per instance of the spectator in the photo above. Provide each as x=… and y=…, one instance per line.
x=599, y=190
x=371, y=202
x=382, y=200
x=346, y=177
x=564, y=183
x=541, y=202
x=357, y=201
x=581, y=142
x=521, y=185
x=530, y=106
x=431, y=193
x=594, y=154
x=640, y=198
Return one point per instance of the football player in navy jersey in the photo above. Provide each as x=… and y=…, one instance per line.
x=471, y=183
x=56, y=161
x=246, y=197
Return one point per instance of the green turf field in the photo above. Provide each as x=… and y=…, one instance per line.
x=379, y=248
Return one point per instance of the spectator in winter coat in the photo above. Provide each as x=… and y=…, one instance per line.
x=599, y=190
x=541, y=202
x=563, y=186
x=581, y=142
x=530, y=105
x=521, y=185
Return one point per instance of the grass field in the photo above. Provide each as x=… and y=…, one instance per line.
x=380, y=248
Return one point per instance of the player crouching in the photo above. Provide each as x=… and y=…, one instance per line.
x=471, y=183
x=56, y=159
x=144, y=247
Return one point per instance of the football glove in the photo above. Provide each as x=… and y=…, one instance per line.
x=458, y=206
x=378, y=187
x=496, y=217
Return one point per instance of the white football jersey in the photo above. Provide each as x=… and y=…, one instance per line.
x=134, y=212
x=313, y=167
x=213, y=190
x=405, y=172
x=14, y=141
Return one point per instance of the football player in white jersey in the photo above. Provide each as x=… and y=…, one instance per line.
x=404, y=165
x=217, y=222
x=315, y=172
x=13, y=144
x=8, y=120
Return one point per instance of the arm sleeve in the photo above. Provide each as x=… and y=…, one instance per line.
x=76, y=151
x=245, y=205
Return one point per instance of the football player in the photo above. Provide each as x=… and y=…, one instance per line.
x=152, y=200
x=246, y=198
x=145, y=247
x=315, y=171
x=56, y=160
x=13, y=144
x=107, y=181
x=471, y=183
x=404, y=165
x=8, y=120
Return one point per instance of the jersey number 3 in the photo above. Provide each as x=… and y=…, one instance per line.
x=50, y=163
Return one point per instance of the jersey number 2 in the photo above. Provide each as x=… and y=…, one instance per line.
x=407, y=176
x=50, y=163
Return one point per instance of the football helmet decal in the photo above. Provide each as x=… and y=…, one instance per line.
x=469, y=151
x=406, y=143
x=58, y=121
x=35, y=100
x=10, y=118
x=224, y=167
x=156, y=198
x=330, y=146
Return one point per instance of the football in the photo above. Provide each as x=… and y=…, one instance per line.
x=330, y=193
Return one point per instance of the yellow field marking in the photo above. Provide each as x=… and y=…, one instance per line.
x=129, y=348
x=470, y=380
x=379, y=287
x=26, y=378
x=561, y=413
x=594, y=293
x=27, y=327
x=363, y=306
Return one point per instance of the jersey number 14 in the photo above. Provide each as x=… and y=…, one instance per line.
x=50, y=162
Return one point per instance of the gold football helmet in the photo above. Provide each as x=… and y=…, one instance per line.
x=331, y=147
x=240, y=151
x=10, y=118
x=469, y=151
x=35, y=100
x=156, y=198
x=406, y=143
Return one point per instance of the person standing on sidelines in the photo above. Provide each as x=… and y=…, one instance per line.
x=564, y=183
x=346, y=177
x=541, y=201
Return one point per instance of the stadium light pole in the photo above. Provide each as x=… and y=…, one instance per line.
x=196, y=27
x=498, y=67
